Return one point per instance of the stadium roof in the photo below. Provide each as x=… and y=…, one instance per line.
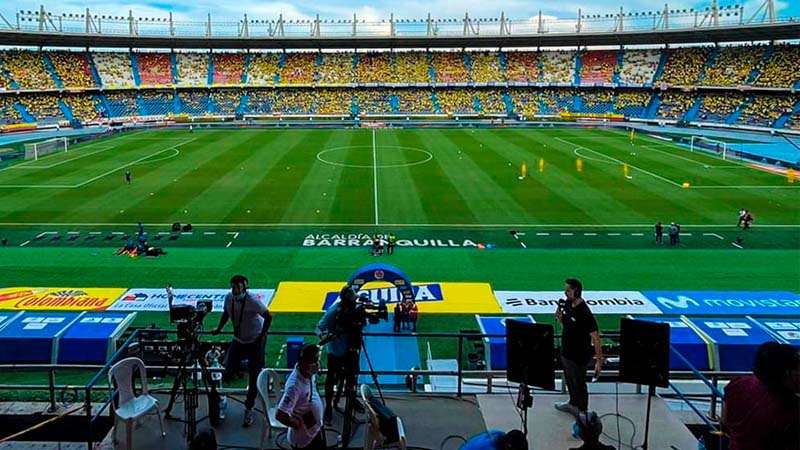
x=740, y=33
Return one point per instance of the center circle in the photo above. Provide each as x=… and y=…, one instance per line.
x=425, y=156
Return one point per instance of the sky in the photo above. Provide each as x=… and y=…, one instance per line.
x=372, y=10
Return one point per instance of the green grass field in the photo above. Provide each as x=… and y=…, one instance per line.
x=256, y=196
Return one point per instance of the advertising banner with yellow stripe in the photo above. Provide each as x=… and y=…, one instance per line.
x=58, y=299
x=431, y=297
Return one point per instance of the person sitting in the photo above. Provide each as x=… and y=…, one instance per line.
x=762, y=411
x=497, y=440
x=590, y=428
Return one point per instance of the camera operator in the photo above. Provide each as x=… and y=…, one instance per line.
x=300, y=409
x=251, y=320
x=339, y=328
x=579, y=333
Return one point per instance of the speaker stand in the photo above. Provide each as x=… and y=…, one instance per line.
x=524, y=401
x=651, y=391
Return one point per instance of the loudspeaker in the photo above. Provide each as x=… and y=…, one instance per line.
x=176, y=226
x=530, y=354
x=205, y=440
x=187, y=227
x=644, y=353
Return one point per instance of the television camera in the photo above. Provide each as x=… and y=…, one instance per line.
x=194, y=359
x=189, y=318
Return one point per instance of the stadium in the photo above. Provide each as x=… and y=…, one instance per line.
x=451, y=172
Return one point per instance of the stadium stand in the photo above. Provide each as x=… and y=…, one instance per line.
x=228, y=68
x=43, y=108
x=733, y=65
x=764, y=110
x=122, y=104
x=192, y=69
x=456, y=101
x=596, y=101
x=486, y=67
x=225, y=101
x=264, y=68
x=558, y=100
x=294, y=101
x=526, y=101
x=684, y=65
x=632, y=103
x=598, y=66
x=780, y=70
x=491, y=101
x=260, y=101
x=639, y=66
x=449, y=67
x=27, y=69
x=336, y=69
x=193, y=102
x=114, y=69
x=558, y=66
x=157, y=103
x=718, y=107
x=674, y=105
x=415, y=101
x=333, y=101
x=411, y=67
x=522, y=67
x=84, y=107
x=72, y=69
x=374, y=101
x=299, y=68
x=375, y=67
x=154, y=68
x=794, y=122
x=8, y=114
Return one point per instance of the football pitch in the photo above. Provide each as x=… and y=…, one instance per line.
x=366, y=180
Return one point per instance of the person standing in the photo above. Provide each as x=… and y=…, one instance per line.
x=336, y=329
x=659, y=233
x=391, y=243
x=170, y=295
x=579, y=335
x=128, y=176
x=251, y=321
x=673, y=234
x=300, y=408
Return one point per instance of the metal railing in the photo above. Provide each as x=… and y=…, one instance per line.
x=463, y=377
x=130, y=24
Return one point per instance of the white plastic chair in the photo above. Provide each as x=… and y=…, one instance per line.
x=270, y=421
x=130, y=406
x=373, y=437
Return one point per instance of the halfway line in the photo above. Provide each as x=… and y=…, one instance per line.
x=375, y=174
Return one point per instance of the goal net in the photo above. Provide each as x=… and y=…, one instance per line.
x=38, y=149
x=702, y=143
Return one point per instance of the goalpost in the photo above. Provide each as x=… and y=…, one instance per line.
x=38, y=149
x=703, y=143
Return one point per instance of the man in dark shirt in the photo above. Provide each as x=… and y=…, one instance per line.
x=579, y=334
x=659, y=233
x=762, y=411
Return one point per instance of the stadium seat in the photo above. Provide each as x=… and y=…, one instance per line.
x=265, y=378
x=373, y=437
x=130, y=406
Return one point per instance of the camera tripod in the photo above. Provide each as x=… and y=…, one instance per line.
x=191, y=361
x=351, y=394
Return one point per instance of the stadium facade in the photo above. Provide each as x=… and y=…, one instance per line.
x=667, y=66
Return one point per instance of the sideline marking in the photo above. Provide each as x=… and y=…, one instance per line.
x=410, y=225
x=375, y=174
